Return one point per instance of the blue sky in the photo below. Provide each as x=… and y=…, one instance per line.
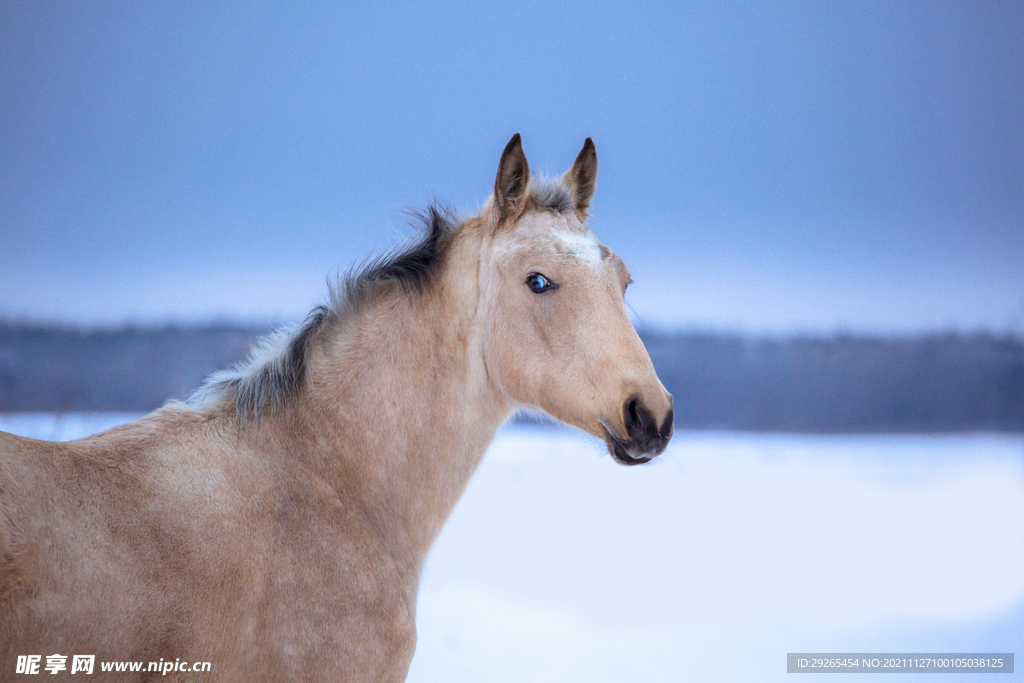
x=771, y=167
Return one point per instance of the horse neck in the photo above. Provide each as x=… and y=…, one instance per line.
x=400, y=405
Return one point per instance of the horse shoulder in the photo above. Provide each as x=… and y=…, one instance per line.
x=338, y=600
x=282, y=561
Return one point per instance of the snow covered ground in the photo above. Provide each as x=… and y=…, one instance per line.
x=715, y=561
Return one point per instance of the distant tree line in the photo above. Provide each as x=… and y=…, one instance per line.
x=835, y=384
x=844, y=383
x=127, y=369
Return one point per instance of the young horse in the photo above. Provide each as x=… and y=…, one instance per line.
x=277, y=524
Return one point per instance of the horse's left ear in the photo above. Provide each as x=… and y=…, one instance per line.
x=582, y=178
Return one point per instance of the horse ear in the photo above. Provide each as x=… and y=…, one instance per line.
x=510, y=188
x=582, y=177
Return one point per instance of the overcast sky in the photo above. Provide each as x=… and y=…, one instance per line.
x=772, y=167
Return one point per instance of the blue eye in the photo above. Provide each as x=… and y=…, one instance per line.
x=538, y=283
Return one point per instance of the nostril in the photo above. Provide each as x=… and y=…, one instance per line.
x=634, y=423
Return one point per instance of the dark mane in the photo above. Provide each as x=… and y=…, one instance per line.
x=412, y=267
x=276, y=367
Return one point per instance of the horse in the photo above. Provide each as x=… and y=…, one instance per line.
x=274, y=525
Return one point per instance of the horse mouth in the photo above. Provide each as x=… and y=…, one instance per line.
x=619, y=452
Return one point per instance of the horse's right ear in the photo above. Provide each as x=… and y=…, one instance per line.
x=512, y=185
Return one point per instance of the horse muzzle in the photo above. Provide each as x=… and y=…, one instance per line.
x=646, y=437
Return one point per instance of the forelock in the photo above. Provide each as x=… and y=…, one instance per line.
x=552, y=195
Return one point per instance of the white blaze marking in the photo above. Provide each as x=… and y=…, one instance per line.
x=583, y=246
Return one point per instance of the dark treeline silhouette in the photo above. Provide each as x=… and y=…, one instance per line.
x=844, y=384
x=835, y=384
x=128, y=369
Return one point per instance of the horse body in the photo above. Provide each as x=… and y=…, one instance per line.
x=128, y=553
x=276, y=526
